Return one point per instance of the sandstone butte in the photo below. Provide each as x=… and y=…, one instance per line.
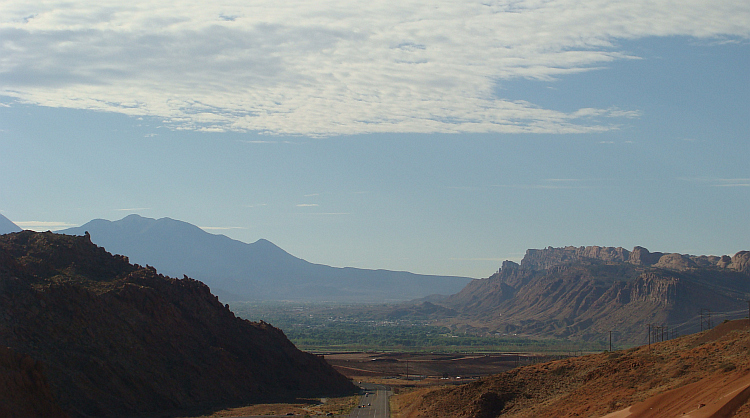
x=86, y=333
x=703, y=375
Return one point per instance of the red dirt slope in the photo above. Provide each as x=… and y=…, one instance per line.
x=701, y=375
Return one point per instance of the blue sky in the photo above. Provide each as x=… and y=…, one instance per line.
x=435, y=137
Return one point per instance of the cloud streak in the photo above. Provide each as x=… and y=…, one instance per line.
x=41, y=226
x=720, y=182
x=332, y=67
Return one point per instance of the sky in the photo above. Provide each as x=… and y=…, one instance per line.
x=438, y=137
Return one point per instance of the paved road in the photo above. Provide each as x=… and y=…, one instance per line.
x=374, y=402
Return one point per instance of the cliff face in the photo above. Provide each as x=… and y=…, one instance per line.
x=548, y=257
x=117, y=339
x=585, y=292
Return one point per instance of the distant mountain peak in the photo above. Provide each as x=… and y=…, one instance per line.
x=7, y=226
x=261, y=270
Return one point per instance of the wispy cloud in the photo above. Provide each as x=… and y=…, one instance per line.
x=732, y=183
x=220, y=228
x=44, y=225
x=719, y=182
x=334, y=67
x=132, y=209
x=331, y=213
x=552, y=184
x=307, y=205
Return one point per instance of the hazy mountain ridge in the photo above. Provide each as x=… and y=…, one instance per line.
x=585, y=292
x=7, y=226
x=258, y=271
x=117, y=339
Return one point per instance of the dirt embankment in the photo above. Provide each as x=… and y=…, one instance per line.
x=699, y=376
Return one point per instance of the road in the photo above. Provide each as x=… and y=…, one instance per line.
x=373, y=403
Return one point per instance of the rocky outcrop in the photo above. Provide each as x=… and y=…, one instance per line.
x=651, y=287
x=549, y=257
x=675, y=261
x=642, y=257
x=741, y=262
x=116, y=339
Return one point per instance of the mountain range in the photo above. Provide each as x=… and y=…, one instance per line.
x=237, y=271
x=586, y=292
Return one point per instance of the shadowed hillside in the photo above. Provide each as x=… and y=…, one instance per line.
x=116, y=339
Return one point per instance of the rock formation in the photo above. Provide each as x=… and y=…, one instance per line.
x=115, y=339
x=585, y=292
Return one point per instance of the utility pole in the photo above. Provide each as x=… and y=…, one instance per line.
x=649, y=337
x=610, y=341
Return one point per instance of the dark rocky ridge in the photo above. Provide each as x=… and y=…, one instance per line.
x=117, y=339
x=585, y=292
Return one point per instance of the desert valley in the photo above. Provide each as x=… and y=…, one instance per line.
x=89, y=333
